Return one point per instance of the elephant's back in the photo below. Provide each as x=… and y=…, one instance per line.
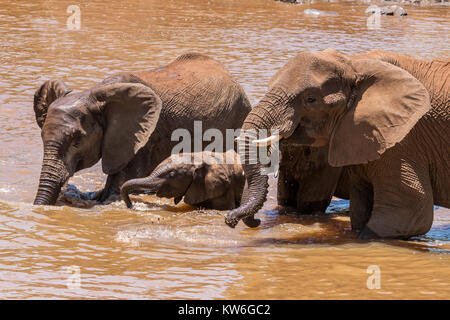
x=197, y=87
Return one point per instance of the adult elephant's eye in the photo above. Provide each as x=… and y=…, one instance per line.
x=76, y=139
x=310, y=100
x=76, y=142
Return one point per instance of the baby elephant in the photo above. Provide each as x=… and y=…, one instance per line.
x=205, y=179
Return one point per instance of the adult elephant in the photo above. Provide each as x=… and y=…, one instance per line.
x=128, y=119
x=307, y=182
x=374, y=117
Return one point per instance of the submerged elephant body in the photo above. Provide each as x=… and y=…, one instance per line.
x=204, y=179
x=371, y=117
x=128, y=120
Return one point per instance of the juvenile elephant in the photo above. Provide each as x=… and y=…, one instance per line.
x=128, y=119
x=373, y=116
x=307, y=182
x=204, y=179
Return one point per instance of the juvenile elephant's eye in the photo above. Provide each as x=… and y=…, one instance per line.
x=310, y=100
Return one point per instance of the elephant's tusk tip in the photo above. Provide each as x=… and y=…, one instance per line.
x=267, y=141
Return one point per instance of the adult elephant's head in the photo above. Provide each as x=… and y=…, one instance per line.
x=112, y=121
x=359, y=108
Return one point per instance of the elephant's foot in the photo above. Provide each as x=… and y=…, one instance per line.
x=101, y=196
x=368, y=234
x=97, y=195
x=104, y=197
x=312, y=207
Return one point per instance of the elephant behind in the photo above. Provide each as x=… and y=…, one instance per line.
x=376, y=119
x=128, y=120
x=203, y=179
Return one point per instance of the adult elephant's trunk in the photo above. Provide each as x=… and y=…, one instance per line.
x=261, y=117
x=53, y=176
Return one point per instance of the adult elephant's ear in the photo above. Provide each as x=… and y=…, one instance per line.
x=48, y=92
x=385, y=105
x=130, y=112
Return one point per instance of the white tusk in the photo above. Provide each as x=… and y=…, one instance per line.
x=275, y=174
x=267, y=141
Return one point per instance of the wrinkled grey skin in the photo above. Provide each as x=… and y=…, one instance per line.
x=128, y=119
x=204, y=179
x=375, y=118
x=306, y=181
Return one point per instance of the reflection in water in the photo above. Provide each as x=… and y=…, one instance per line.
x=167, y=251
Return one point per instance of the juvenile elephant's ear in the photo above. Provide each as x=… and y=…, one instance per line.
x=130, y=112
x=387, y=103
x=48, y=92
x=209, y=182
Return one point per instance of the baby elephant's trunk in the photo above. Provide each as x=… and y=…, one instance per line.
x=143, y=184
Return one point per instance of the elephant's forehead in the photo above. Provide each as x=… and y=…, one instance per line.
x=307, y=69
x=64, y=115
x=72, y=100
x=69, y=106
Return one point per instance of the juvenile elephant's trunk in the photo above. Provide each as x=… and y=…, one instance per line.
x=53, y=176
x=255, y=196
x=142, y=184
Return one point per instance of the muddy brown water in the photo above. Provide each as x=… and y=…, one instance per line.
x=162, y=251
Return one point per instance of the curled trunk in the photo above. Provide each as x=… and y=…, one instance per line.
x=149, y=183
x=134, y=185
x=255, y=195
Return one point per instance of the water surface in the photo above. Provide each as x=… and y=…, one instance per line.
x=166, y=251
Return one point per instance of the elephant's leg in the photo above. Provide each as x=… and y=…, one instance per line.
x=343, y=186
x=361, y=201
x=403, y=201
x=225, y=202
x=112, y=187
x=287, y=188
x=309, y=206
x=141, y=166
x=316, y=190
